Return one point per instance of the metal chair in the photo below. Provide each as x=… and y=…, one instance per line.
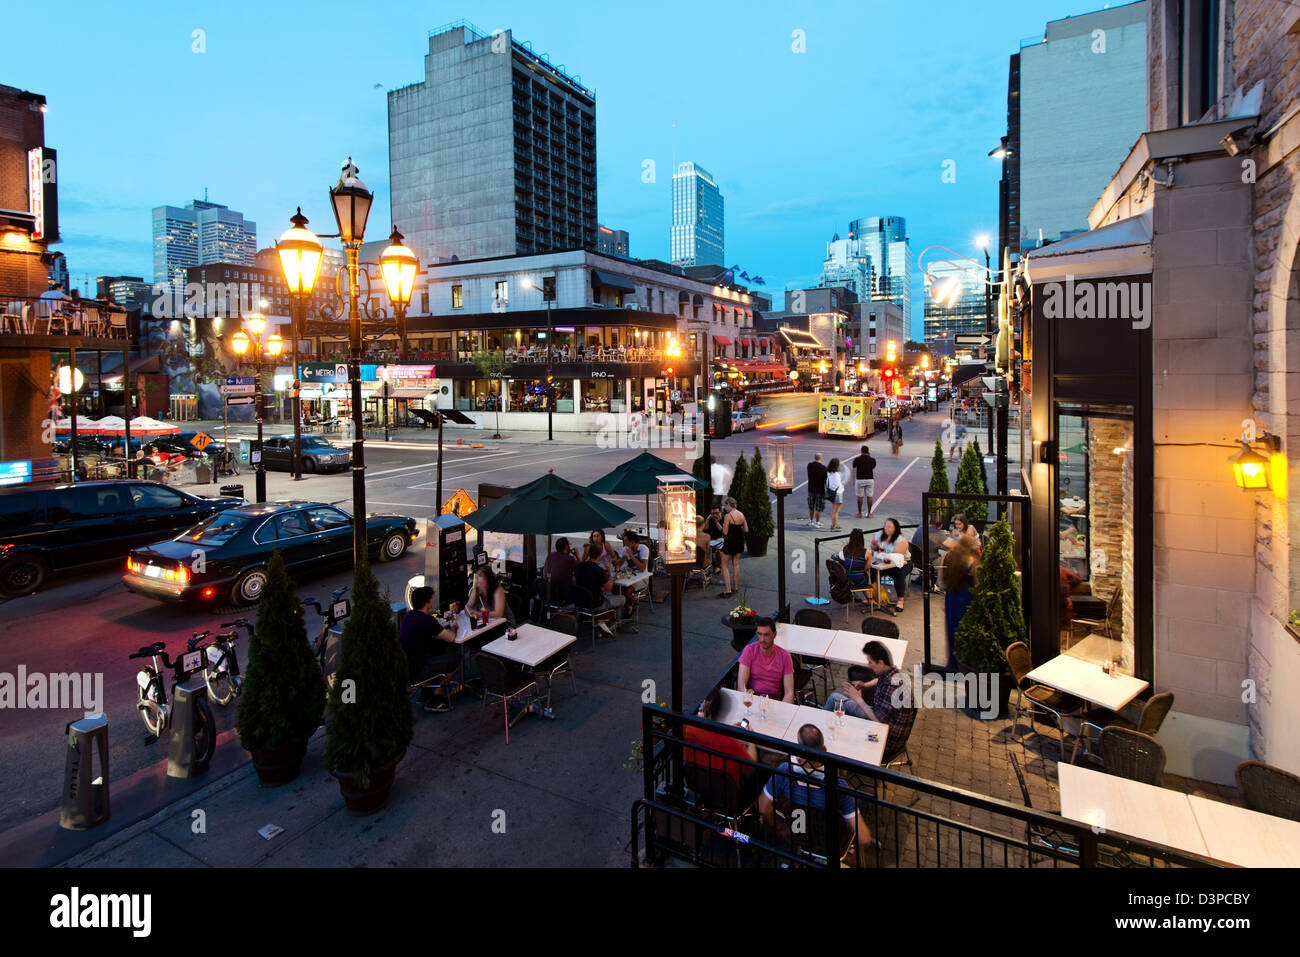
x=1132, y=755
x=499, y=682
x=1152, y=716
x=557, y=664
x=813, y=618
x=1269, y=790
x=1114, y=608
x=585, y=605
x=1041, y=697
x=817, y=670
x=880, y=628
x=440, y=682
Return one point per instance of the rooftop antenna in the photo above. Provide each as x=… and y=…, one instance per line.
x=205, y=194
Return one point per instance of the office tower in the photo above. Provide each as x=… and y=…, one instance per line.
x=1082, y=104
x=965, y=314
x=612, y=242
x=697, y=231
x=493, y=153
x=882, y=241
x=197, y=234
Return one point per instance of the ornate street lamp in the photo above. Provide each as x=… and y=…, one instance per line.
x=241, y=342
x=780, y=479
x=300, y=252
x=399, y=267
x=351, y=202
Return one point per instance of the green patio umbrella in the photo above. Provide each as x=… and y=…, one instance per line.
x=640, y=476
x=547, y=506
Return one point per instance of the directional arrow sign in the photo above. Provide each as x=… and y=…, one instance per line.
x=239, y=400
x=971, y=340
x=238, y=385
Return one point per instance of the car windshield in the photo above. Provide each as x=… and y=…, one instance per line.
x=217, y=529
x=311, y=442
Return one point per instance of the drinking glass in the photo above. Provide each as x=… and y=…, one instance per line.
x=749, y=701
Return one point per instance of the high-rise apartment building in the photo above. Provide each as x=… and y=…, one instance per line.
x=492, y=153
x=697, y=231
x=197, y=234
x=1077, y=98
x=613, y=242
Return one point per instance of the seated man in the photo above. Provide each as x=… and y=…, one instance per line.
x=877, y=692
x=559, y=571
x=765, y=666
x=795, y=786
x=430, y=648
x=592, y=585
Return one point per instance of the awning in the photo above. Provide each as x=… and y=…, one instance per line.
x=722, y=340
x=760, y=367
x=409, y=393
x=605, y=280
x=311, y=395
x=797, y=337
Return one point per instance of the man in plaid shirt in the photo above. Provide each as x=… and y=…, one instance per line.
x=883, y=687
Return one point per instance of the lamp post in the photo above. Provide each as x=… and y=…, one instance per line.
x=780, y=479
x=983, y=243
x=300, y=253
x=547, y=290
x=399, y=267
x=351, y=202
x=677, y=551
x=274, y=345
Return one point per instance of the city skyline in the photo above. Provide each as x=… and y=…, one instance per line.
x=946, y=112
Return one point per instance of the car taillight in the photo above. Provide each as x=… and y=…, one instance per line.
x=181, y=574
x=134, y=566
x=209, y=592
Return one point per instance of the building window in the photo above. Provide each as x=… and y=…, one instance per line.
x=457, y=297
x=1199, y=50
x=502, y=294
x=618, y=299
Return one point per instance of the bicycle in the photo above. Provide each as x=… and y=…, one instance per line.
x=221, y=668
x=156, y=712
x=339, y=608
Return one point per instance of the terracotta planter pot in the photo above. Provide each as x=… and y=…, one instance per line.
x=757, y=544
x=363, y=801
x=277, y=766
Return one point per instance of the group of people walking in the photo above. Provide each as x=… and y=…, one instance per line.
x=829, y=482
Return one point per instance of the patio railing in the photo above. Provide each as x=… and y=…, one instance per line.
x=27, y=315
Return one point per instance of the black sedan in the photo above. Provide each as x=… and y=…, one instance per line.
x=225, y=557
x=317, y=454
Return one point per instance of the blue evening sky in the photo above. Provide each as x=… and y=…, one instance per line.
x=860, y=124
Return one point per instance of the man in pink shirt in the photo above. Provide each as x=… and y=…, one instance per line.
x=765, y=666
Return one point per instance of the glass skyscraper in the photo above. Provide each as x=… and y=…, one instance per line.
x=697, y=235
x=875, y=262
x=966, y=316
x=198, y=234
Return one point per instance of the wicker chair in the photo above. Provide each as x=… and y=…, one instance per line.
x=812, y=670
x=880, y=628
x=1133, y=755
x=1041, y=697
x=1153, y=715
x=1269, y=790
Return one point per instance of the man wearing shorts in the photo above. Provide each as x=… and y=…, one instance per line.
x=816, y=490
x=865, y=468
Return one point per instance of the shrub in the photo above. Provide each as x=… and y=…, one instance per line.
x=757, y=504
x=970, y=479
x=939, y=480
x=995, y=618
x=284, y=692
x=738, y=484
x=371, y=722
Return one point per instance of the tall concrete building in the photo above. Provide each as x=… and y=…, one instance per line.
x=696, y=238
x=197, y=234
x=1080, y=100
x=492, y=153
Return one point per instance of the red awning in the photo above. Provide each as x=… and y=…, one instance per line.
x=722, y=340
x=758, y=366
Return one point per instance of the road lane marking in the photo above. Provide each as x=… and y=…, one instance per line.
x=876, y=503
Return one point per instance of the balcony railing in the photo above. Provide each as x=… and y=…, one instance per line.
x=33, y=316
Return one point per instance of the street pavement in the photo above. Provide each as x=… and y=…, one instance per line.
x=87, y=622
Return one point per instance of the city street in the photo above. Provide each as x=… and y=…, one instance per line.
x=87, y=622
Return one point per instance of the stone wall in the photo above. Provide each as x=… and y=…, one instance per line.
x=1110, y=508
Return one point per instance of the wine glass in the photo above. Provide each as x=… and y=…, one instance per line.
x=839, y=712
x=749, y=701
x=762, y=707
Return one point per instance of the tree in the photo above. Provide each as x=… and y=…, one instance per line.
x=981, y=472
x=703, y=496
x=939, y=480
x=284, y=692
x=371, y=722
x=995, y=618
x=970, y=481
x=493, y=365
x=738, y=481
x=757, y=503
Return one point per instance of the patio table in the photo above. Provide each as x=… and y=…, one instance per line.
x=1132, y=808
x=847, y=648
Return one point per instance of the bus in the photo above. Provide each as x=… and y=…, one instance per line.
x=846, y=415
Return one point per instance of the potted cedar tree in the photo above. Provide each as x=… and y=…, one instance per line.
x=757, y=506
x=995, y=618
x=284, y=692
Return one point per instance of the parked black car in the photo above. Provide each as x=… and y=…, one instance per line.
x=225, y=556
x=44, y=530
x=317, y=454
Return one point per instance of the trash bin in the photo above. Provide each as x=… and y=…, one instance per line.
x=236, y=490
x=202, y=474
x=85, y=793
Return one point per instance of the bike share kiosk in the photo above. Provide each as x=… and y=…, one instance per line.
x=446, y=561
x=85, y=794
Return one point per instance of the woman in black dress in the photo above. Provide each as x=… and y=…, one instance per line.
x=734, y=528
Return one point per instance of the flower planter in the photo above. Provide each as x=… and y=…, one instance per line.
x=277, y=766
x=362, y=801
x=756, y=544
x=742, y=630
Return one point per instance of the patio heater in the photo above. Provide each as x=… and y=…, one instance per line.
x=780, y=479
x=677, y=552
x=300, y=253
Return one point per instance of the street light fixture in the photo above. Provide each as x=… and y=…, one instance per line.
x=677, y=521
x=241, y=342
x=351, y=203
x=300, y=252
x=780, y=479
x=399, y=267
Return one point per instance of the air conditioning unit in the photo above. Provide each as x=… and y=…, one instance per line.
x=631, y=305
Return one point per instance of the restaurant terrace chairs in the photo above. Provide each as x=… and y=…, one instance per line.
x=1153, y=714
x=501, y=683
x=816, y=670
x=1269, y=790
x=17, y=318
x=1041, y=697
x=879, y=628
x=1039, y=835
x=1114, y=608
x=558, y=664
x=809, y=841
x=440, y=683
x=717, y=794
x=585, y=606
x=1132, y=755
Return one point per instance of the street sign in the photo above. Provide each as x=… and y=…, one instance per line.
x=971, y=340
x=677, y=395
x=239, y=400
x=238, y=385
x=459, y=504
x=201, y=440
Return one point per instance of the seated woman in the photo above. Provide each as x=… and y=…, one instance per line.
x=890, y=542
x=854, y=556
x=488, y=593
